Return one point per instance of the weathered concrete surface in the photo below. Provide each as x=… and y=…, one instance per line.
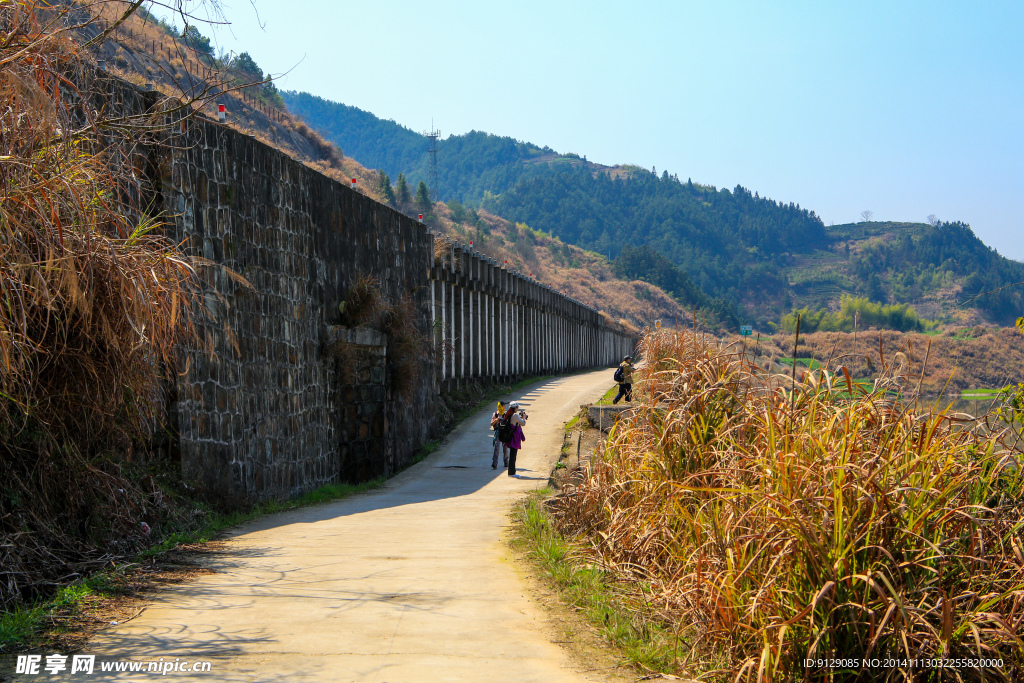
x=604, y=417
x=410, y=583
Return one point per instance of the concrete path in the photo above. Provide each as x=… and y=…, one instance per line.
x=410, y=583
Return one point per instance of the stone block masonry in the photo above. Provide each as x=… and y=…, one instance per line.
x=268, y=413
x=264, y=410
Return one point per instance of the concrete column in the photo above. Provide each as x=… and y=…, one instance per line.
x=451, y=329
x=488, y=335
x=433, y=312
x=503, y=321
x=496, y=327
x=562, y=342
x=515, y=335
x=480, y=332
x=499, y=330
x=462, y=332
x=472, y=328
x=515, y=339
x=508, y=325
x=533, y=334
x=548, y=346
x=546, y=332
x=490, y=321
x=444, y=327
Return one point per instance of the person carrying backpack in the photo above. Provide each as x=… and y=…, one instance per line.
x=496, y=418
x=624, y=376
x=514, y=424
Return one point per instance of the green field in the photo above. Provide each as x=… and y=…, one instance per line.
x=974, y=394
x=805, y=362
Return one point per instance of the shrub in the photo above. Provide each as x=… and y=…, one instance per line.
x=899, y=317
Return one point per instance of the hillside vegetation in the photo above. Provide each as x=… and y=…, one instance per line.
x=582, y=274
x=761, y=257
x=857, y=313
x=959, y=358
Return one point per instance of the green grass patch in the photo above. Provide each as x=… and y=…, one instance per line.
x=18, y=627
x=805, y=362
x=641, y=639
x=425, y=450
x=980, y=390
x=979, y=393
x=606, y=400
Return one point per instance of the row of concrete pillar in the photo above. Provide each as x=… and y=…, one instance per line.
x=491, y=322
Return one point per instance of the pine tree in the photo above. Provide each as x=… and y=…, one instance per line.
x=384, y=187
x=404, y=196
x=423, y=198
x=246, y=64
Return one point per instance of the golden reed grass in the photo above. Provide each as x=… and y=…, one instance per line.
x=772, y=520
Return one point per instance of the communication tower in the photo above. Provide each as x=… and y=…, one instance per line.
x=434, y=135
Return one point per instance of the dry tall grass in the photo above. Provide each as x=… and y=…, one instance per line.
x=92, y=305
x=773, y=525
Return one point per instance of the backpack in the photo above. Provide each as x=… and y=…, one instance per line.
x=504, y=430
x=618, y=374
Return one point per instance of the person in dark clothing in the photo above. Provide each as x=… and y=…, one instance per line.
x=626, y=383
x=495, y=443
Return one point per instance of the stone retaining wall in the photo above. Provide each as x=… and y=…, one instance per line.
x=263, y=409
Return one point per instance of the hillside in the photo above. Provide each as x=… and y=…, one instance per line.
x=755, y=256
x=146, y=50
x=958, y=359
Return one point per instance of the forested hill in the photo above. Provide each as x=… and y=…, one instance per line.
x=918, y=264
x=468, y=165
x=729, y=242
x=739, y=255
x=726, y=241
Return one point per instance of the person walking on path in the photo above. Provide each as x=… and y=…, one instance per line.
x=516, y=438
x=625, y=380
x=495, y=442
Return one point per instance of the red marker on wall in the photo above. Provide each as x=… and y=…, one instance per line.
x=222, y=113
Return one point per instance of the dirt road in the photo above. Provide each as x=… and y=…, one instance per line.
x=409, y=583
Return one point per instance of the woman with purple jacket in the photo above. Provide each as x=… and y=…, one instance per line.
x=516, y=441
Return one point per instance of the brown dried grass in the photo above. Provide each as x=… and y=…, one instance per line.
x=93, y=303
x=773, y=520
x=959, y=358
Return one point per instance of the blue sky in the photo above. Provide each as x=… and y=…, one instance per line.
x=903, y=108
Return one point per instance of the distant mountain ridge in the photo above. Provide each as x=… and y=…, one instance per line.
x=469, y=165
x=763, y=256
